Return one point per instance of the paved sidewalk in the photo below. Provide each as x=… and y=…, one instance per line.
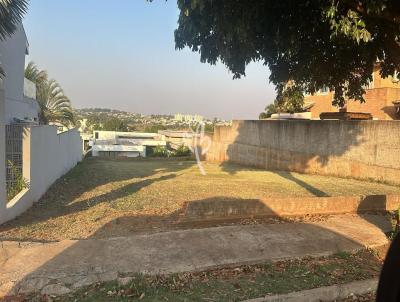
x=66, y=265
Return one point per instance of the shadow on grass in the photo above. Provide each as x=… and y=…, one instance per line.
x=92, y=173
x=70, y=263
x=313, y=190
x=232, y=169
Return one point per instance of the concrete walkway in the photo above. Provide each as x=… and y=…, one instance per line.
x=62, y=266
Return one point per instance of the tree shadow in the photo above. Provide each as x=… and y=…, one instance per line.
x=83, y=262
x=315, y=147
x=62, y=200
x=313, y=190
x=346, y=149
x=369, y=204
x=323, y=147
x=104, y=259
x=391, y=112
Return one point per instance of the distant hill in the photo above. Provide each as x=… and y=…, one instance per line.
x=90, y=119
x=88, y=111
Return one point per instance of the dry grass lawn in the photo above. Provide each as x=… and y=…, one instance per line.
x=102, y=198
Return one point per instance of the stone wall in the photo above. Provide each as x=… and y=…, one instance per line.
x=357, y=149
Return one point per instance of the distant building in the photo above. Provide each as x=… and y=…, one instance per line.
x=382, y=99
x=20, y=93
x=87, y=138
x=291, y=116
x=113, y=144
x=189, y=118
x=83, y=126
x=176, y=138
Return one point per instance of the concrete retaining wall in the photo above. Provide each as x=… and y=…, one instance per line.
x=281, y=207
x=46, y=157
x=357, y=149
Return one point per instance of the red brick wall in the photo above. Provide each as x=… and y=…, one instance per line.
x=322, y=103
x=379, y=102
x=379, y=99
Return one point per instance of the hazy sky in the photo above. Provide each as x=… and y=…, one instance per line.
x=121, y=54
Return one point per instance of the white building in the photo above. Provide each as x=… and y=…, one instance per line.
x=189, y=118
x=125, y=144
x=41, y=153
x=20, y=93
x=177, y=138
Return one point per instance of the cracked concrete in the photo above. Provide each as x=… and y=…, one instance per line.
x=66, y=265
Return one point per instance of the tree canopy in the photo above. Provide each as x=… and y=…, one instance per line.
x=114, y=124
x=313, y=43
x=289, y=100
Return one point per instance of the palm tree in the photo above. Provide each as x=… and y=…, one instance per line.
x=35, y=75
x=11, y=13
x=55, y=107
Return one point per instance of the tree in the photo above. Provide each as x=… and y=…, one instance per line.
x=32, y=73
x=154, y=128
x=269, y=111
x=54, y=106
x=309, y=43
x=114, y=124
x=11, y=13
x=288, y=100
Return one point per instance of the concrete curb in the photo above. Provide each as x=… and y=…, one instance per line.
x=326, y=293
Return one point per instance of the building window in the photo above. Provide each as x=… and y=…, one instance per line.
x=96, y=135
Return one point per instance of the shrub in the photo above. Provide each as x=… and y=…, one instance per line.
x=182, y=151
x=160, y=151
x=18, y=185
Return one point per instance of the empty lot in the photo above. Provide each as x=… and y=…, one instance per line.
x=103, y=198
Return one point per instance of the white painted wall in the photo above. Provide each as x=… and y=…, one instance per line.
x=123, y=150
x=3, y=194
x=25, y=109
x=112, y=135
x=29, y=89
x=46, y=157
x=52, y=155
x=292, y=116
x=12, y=58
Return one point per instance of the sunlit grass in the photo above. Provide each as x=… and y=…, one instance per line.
x=108, y=198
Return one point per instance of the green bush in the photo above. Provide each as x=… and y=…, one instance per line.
x=19, y=184
x=160, y=151
x=182, y=151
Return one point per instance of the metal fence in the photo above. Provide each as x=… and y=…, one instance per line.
x=14, y=134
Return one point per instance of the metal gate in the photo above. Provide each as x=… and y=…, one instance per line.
x=14, y=134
